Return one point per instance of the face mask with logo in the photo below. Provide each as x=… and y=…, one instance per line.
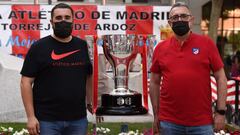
x=62, y=29
x=180, y=28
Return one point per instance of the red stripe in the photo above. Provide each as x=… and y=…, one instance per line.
x=144, y=63
x=228, y=86
x=214, y=91
x=24, y=35
x=231, y=93
x=213, y=81
x=85, y=21
x=232, y=102
x=95, y=75
x=228, y=94
x=213, y=98
x=142, y=26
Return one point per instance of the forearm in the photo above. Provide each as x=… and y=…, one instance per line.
x=89, y=90
x=221, y=88
x=154, y=95
x=27, y=97
x=221, y=93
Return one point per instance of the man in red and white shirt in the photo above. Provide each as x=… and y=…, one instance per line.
x=182, y=105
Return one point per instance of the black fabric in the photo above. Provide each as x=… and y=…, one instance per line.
x=180, y=27
x=63, y=29
x=59, y=88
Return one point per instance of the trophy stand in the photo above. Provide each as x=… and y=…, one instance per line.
x=120, y=51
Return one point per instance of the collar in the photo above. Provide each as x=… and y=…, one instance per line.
x=188, y=39
x=65, y=40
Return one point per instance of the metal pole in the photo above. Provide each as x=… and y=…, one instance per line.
x=237, y=103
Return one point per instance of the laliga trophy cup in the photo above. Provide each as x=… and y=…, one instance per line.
x=120, y=51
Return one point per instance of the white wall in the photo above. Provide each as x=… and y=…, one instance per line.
x=11, y=106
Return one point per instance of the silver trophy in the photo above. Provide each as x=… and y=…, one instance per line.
x=120, y=51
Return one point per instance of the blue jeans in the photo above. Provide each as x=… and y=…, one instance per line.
x=168, y=128
x=77, y=127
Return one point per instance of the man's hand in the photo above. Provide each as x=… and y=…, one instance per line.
x=156, y=126
x=33, y=126
x=219, y=122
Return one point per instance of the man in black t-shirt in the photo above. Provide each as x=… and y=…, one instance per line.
x=56, y=80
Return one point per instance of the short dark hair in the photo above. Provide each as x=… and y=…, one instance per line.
x=179, y=4
x=61, y=5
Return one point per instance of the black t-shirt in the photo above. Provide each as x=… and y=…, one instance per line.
x=60, y=71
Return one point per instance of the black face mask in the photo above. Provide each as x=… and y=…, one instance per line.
x=180, y=28
x=63, y=29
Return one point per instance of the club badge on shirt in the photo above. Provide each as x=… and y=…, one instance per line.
x=195, y=51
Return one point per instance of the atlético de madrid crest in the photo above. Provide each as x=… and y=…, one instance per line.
x=195, y=51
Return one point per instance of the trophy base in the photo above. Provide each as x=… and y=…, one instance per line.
x=121, y=105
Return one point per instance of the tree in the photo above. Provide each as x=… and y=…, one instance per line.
x=215, y=14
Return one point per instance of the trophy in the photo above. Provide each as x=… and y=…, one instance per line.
x=120, y=51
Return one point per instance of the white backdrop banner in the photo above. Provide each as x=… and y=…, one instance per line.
x=21, y=25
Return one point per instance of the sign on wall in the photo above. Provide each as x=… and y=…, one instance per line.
x=21, y=25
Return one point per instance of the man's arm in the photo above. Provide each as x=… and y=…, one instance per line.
x=221, y=88
x=154, y=95
x=154, y=92
x=89, y=97
x=219, y=120
x=27, y=97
